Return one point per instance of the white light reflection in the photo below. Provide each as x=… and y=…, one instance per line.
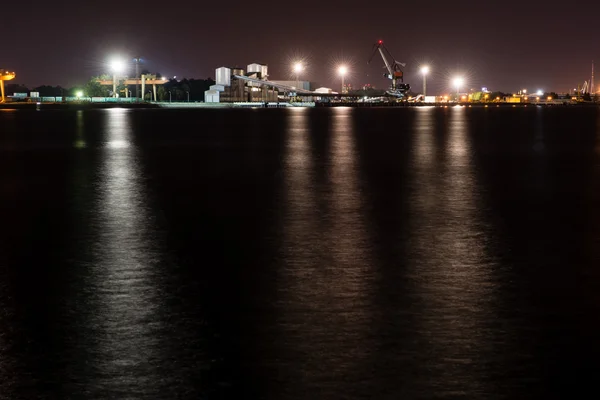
x=348, y=281
x=125, y=273
x=350, y=276
x=598, y=134
x=453, y=274
x=424, y=157
x=80, y=132
x=539, y=145
x=424, y=141
x=327, y=273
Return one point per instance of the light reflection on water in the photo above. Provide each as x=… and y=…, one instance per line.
x=325, y=281
x=409, y=254
x=449, y=260
x=122, y=276
x=80, y=131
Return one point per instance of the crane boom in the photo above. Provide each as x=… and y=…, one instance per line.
x=394, y=72
x=385, y=60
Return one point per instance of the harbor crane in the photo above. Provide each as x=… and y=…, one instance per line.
x=394, y=71
x=4, y=76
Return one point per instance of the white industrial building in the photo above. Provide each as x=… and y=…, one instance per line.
x=228, y=88
x=260, y=70
x=223, y=76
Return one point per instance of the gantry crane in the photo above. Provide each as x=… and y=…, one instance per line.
x=4, y=76
x=394, y=72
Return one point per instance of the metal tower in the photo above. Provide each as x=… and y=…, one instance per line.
x=592, y=88
x=137, y=61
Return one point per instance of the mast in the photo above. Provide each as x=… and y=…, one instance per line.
x=592, y=88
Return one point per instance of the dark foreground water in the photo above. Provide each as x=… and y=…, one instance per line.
x=300, y=254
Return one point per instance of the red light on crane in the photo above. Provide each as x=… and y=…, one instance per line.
x=381, y=42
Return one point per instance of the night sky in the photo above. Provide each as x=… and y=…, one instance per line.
x=501, y=45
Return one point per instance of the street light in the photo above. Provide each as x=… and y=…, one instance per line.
x=298, y=67
x=117, y=67
x=343, y=70
x=458, y=82
x=425, y=71
x=169, y=96
x=188, y=95
x=137, y=61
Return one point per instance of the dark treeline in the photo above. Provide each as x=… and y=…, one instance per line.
x=44, y=90
x=174, y=90
x=182, y=90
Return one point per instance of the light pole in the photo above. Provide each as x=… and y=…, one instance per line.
x=117, y=66
x=343, y=70
x=188, y=95
x=458, y=81
x=425, y=71
x=137, y=61
x=298, y=67
x=169, y=96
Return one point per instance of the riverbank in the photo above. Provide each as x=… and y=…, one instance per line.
x=72, y=106
x=146, y=105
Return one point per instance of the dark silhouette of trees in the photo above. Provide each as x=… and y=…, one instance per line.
x=51, y=91
x=15, y=88
x=180, y=89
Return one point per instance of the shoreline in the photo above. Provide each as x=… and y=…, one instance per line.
x=99, y=106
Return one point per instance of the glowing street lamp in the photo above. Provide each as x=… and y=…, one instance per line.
x=343, y=70
x=425, y=71
x=298, y=68
x=458, y=82
x=117, y=67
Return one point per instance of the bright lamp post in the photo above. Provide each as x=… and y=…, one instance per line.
x=425, y=71
x=137, y=62
x=117, y=67
x=298, y=68
x=343, y=70
x=458, y=82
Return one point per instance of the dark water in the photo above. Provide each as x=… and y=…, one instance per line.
x=300, y=254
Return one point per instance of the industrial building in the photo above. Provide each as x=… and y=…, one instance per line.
x=228, y=88
x=234, y=85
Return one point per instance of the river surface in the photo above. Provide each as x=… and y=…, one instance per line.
x=382, y=253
